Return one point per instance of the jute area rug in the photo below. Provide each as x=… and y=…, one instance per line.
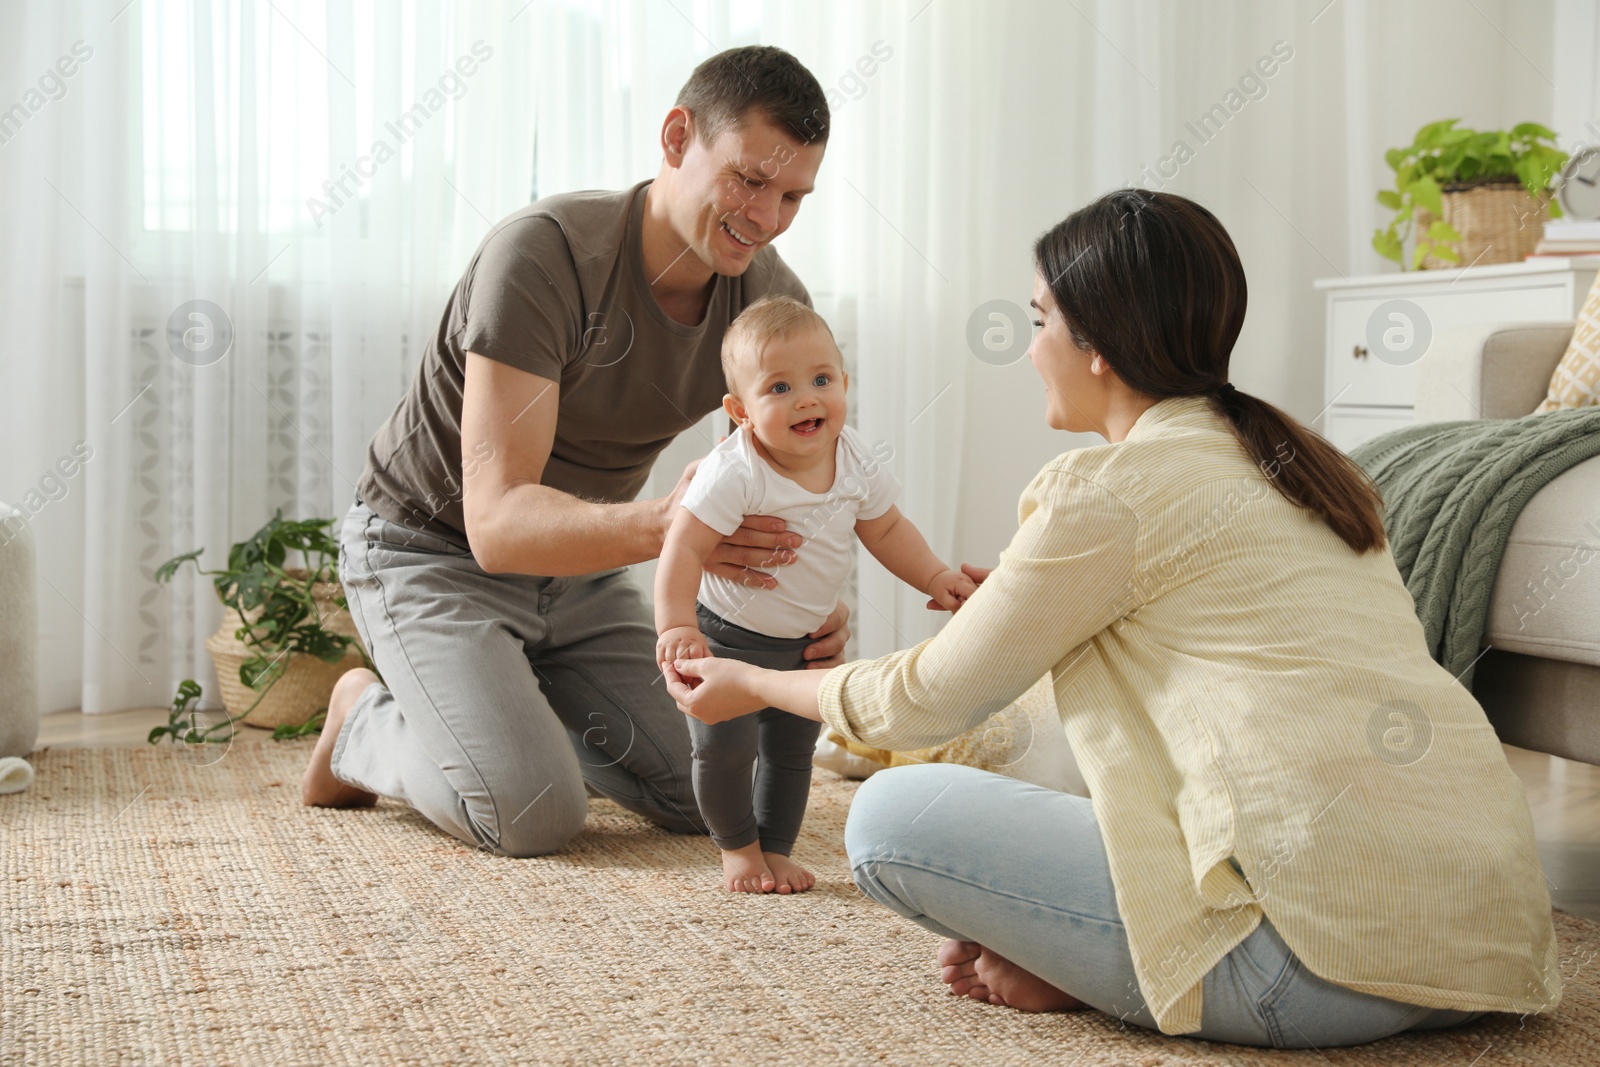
x=161, y=912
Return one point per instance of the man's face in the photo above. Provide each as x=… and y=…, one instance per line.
x=741, y=191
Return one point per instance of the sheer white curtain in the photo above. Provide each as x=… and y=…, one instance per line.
x=1089, y=94
x=891, y=236
x=165, y=152
x=318, y=174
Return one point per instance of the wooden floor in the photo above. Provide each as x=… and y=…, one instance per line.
x=1563, y=795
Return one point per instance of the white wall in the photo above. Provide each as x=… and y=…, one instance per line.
x=1575, y=70
x=1363, y=77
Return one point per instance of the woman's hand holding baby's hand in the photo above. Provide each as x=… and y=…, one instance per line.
x=977, y=574
x=950, y=589
x=681, y=642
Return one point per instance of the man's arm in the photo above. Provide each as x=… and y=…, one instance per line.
x=516, y=525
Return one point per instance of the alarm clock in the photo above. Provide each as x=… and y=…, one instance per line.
x=1579, y=192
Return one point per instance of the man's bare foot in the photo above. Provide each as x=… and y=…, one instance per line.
x=983, y=974
x=790, y=876
x=745, y=871
x=318, y=787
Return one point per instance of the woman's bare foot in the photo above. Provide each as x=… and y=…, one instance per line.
x=790, y=876
x=745, y=871
x=983, y=974
x=318, y=787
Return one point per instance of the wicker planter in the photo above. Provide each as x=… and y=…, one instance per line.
x=1498, y=223
x=306, y=683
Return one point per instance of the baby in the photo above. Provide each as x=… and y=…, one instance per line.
x=791, y=457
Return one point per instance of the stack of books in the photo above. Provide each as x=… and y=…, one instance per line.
x=1569, y=237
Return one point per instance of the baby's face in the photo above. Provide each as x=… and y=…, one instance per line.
x=793, y=394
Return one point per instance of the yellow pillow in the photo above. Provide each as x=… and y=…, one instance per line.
x=1576, y=381
x=1024, y=740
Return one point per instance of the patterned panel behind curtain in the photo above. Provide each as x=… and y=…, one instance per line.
x=163, y=459
x=296, y=377
x=295, y=447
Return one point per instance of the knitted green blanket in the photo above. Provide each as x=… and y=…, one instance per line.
x=1451, y=492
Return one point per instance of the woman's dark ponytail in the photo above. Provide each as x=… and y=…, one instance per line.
x=1306, y=469
x=1152, y=282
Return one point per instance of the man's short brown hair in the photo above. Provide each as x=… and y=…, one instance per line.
x=768, y=319
x=725, y=88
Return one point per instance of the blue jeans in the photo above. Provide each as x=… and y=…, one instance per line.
x=1022, y=870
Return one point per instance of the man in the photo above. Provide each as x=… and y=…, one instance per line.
x=485, y=557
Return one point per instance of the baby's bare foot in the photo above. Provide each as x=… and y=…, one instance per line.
x=983, y=974
x=790, y=876
x=318, y=787
x=744, y=870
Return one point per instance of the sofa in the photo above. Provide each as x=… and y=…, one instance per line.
x=1539, y=680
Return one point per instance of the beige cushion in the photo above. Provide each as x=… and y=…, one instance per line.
x=1546, y=599
x=1576, y=381
x=1494, y=370
x=1024, y=740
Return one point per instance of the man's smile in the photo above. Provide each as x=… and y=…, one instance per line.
x=739, y=238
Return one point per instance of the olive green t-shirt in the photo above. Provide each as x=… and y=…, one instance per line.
x=558, y=289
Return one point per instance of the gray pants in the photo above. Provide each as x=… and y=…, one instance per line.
x=506, y=694
x=770, y=805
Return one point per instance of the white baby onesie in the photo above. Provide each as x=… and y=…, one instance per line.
x=733, y=481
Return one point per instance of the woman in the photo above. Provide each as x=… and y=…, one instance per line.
x=1303, y=830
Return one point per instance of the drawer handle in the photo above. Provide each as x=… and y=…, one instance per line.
x=1359, y=352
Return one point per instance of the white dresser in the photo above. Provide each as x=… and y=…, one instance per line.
x=1380, y=326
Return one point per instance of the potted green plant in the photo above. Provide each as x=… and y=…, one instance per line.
x=1469, y=196
x=287, y=633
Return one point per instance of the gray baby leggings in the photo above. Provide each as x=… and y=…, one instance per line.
x=723, y=753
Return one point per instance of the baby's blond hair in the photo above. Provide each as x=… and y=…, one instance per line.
x=768, y=319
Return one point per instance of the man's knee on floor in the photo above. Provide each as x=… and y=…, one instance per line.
x=682, y=818
x=536, y=822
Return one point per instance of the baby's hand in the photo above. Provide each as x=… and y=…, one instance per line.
x=950, y=589
x=681, y=642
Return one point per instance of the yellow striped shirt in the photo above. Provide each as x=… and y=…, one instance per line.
x=1236, y=682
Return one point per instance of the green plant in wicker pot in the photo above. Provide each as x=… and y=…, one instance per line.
x=285, y=639
x=1469, y=196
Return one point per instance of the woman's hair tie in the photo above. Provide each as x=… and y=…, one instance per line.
x=1224, y=389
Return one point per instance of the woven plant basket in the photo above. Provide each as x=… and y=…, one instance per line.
x=1499, y=222
x=306, y=683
